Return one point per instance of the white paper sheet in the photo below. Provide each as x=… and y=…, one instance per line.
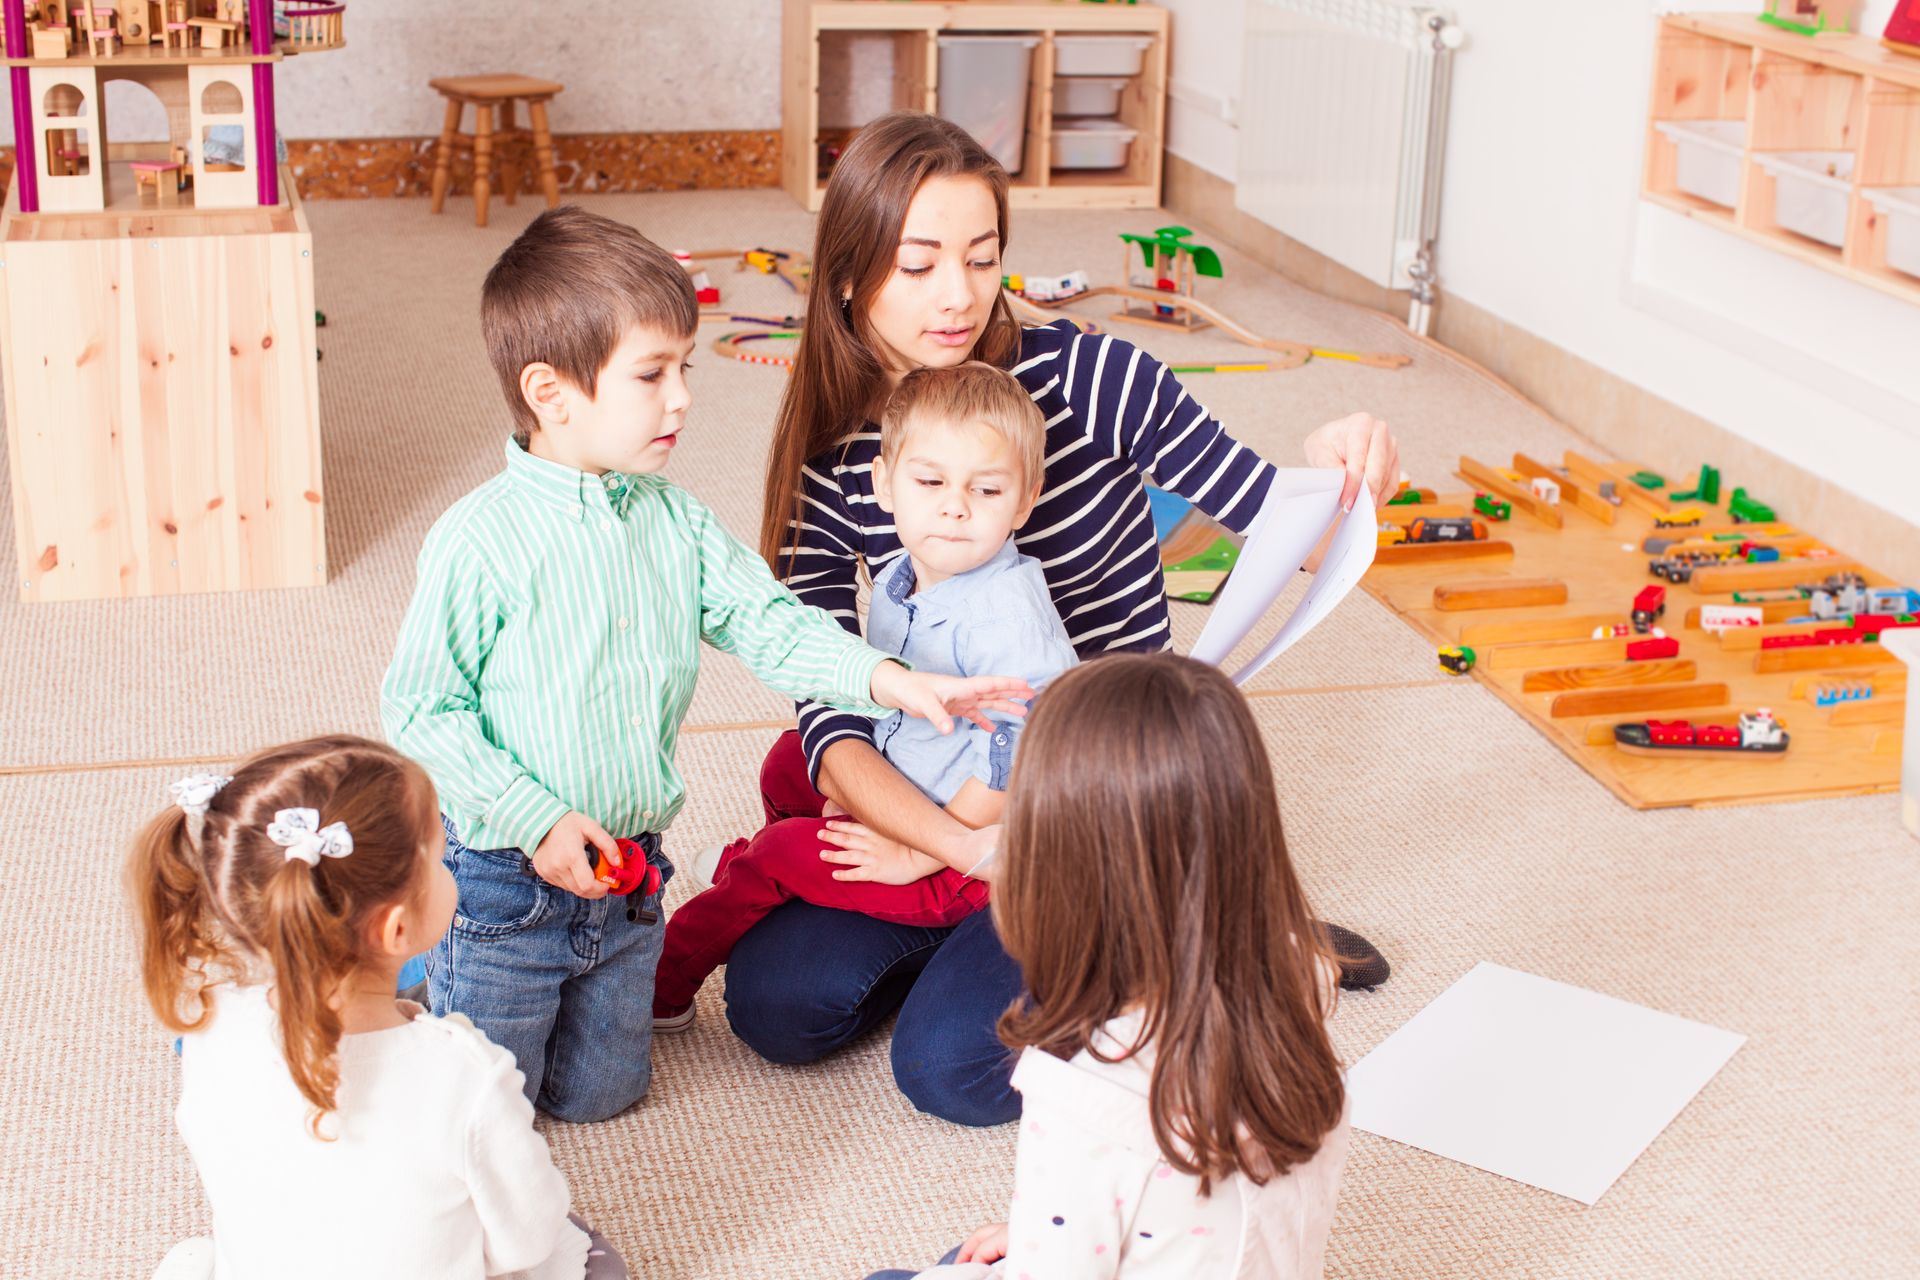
x=1301, y=504
x=1535, y=1080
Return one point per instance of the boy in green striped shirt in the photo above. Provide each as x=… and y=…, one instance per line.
x=549, y=655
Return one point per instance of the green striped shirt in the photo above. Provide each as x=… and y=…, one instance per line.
x=550, y=651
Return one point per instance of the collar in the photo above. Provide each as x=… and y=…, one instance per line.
x=951, y=594
x=572, y=491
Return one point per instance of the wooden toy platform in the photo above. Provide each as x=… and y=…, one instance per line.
x=1542, y=660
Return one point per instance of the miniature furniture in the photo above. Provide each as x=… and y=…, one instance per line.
x=1790, y=141
x=486, y=94
x=98, y=23
x=51, y=42
x=214, y=31
x=817, y=32
x=198, y=469
x=162, y=175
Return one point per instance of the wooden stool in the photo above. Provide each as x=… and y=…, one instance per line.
x=485, y=93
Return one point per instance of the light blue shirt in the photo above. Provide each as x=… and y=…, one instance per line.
x=995, y=620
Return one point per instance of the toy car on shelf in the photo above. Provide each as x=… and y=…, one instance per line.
x=1054, y=288
x=1491, y=507
x=1648, y=607
x=1389, y=535
x=1756, y=734
x=1440, y=529
x=1456, y=659
x=1679, y=518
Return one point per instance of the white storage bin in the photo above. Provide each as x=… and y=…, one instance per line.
x=1900, y=206
x=1810, y=191
x=1709, y=157
x=1091, y=144
x=1099, y=55
x=983, y=89
x=1088, y=95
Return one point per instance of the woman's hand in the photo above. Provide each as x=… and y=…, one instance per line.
x=939, y=698
x=1362, y=446
x=870, y=856
x=988, y=1244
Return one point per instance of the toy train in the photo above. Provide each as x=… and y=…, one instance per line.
x=1757, y=734
x=1648, y=608
x=1050, y=288
x=1456, y=659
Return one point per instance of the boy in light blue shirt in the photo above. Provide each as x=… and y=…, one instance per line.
x=962, y=455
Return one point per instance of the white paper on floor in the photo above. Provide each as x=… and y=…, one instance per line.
x=1301, y=504
x=1548, y=1084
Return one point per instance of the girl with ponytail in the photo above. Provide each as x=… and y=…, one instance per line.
x=337, y=1131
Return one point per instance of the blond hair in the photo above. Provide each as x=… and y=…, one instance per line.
x=217, y=899
x=971, y=393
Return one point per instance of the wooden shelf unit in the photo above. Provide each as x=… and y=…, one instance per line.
x=1791, y=93
x=813, y=26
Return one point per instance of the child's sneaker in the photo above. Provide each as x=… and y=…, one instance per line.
x=706, y=867
x=671, y=1020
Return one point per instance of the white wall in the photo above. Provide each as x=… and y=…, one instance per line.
x=1541, y=225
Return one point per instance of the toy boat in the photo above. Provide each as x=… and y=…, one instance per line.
x=1758, y=735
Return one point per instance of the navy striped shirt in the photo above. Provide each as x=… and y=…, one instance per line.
x=1114, y=415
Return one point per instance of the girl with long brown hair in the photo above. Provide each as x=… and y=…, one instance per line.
x=337, y=1130
x=906, y=274
x=1184, y=1110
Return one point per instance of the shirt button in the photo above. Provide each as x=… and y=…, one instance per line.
x=612, y=481
x=606, y=524
x=646, y=815
x=637, y=721
x=623, y=624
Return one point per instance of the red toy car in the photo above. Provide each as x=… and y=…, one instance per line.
x=1658, y=647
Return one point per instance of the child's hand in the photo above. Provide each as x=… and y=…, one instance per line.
x=868, y=855
x=561, y=859
x=988, y=1244
x=940, y=698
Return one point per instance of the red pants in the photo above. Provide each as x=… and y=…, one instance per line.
x=783, y=862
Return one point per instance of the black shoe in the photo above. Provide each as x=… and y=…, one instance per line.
x=1362, y=967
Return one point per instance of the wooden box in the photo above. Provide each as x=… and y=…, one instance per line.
x=162, y=401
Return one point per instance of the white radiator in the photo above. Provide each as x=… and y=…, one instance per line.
x=1342, y=131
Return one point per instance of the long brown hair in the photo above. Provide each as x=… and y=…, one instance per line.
x=216, y=898
x=1145, y=869
x=836, y=374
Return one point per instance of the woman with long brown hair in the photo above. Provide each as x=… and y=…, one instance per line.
x=906, y=274
x=1185, y=1112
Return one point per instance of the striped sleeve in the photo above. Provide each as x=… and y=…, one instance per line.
x=788, y=645
x=1135, y=409
x=430, y=698
x=825, y=573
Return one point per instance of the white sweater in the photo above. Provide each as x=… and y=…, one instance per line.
x=435, y=1171
x=1092, y=1197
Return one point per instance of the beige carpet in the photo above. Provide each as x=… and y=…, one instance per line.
x=1419, y=810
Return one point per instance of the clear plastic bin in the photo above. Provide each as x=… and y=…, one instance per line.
x=1099, y=55
x=1088, y=95
x=1091, y=144
x=1900, y=206
x=1709, y=153
x=1810, y=191
x=983, y=89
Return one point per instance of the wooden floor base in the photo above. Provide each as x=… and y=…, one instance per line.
x=1544, y=661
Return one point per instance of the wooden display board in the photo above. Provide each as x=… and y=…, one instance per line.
x=162, y=401
x=1543, y=661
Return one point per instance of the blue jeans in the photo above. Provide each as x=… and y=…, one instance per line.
x=909, y=1275
x=562, y=983
x=808, y=979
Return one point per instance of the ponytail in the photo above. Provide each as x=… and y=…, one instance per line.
x=178, y=949
x=311, y=948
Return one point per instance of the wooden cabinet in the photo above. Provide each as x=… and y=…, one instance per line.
x=1786, y=140
x=819, y=34
x=162, y=400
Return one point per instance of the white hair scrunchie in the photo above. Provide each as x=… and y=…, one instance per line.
x=195, y=792
x=300, y=833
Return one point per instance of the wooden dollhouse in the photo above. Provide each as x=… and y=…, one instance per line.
x=209, y=62
x=156, y=304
